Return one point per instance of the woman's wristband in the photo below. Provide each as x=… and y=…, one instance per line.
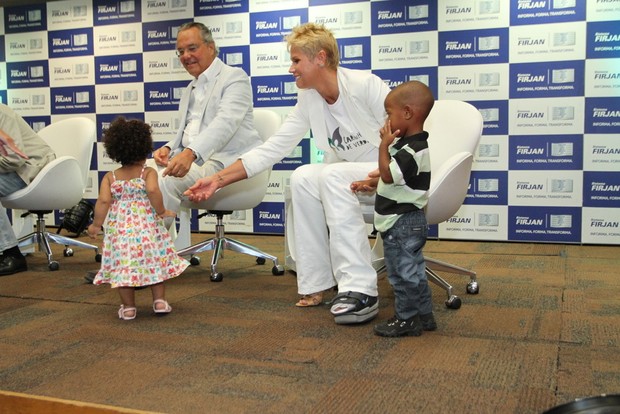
x=220, y=180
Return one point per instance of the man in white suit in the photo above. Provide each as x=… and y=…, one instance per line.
x=216, y=117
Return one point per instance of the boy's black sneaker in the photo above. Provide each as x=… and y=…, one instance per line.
x=428, y=322
x=395, y=327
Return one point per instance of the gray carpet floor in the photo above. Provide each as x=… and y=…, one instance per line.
x=543, y=331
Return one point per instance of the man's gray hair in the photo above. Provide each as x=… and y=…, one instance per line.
x=207, y=36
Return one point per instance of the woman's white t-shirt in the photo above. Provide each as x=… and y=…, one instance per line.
x=345, y=138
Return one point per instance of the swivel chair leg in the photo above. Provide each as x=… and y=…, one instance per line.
x=453, y=301
x=219, y=243
x=42, y=239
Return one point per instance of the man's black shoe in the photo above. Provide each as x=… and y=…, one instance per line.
x=400, y=327
x=12, y=264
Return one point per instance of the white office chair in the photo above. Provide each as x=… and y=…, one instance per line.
x=242, y=195
x=454, y=128
x=59, y=185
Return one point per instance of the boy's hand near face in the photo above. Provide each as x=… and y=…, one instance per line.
x=387, y=135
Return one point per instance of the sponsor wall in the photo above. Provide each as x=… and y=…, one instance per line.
x=544, y=74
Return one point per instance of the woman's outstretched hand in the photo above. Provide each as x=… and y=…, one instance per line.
x=367, y=185
x=202, y=189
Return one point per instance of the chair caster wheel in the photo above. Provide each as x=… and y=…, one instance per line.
x=260, y=260
x=217, y=277
x=68, y=252
x=472, y=288
x=453, y=302
x=98, y=258
x=194, y=260
x=277, y=270
x=53, y=265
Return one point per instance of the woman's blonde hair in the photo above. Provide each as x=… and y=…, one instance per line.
x=311, y=38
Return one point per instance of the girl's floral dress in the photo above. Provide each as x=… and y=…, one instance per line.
x=137, y=249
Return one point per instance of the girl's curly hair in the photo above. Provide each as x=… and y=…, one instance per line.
x=128, y=141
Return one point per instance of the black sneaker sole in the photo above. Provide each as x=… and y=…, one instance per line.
x=397, y=334
x=360, y=316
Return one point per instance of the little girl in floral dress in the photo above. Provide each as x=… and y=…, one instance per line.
x=137, y=248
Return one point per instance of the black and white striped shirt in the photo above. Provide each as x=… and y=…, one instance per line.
x=411, y=172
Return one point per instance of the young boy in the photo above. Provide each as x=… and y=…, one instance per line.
x=404, y=178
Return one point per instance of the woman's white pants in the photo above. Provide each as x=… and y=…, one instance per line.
x=330, y=236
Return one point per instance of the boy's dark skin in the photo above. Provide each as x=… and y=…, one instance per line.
x=407, y=108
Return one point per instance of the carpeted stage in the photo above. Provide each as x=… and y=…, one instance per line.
x=544, y=330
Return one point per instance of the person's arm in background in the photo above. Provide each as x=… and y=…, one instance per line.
x=6, y=142
x=9, y=125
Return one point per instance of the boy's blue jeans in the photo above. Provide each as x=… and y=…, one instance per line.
x=402, y=247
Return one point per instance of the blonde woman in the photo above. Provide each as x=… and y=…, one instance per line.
x=344, y=109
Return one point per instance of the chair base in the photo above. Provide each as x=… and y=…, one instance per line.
x=433, y=266
x=219, y=243
x=43, y=238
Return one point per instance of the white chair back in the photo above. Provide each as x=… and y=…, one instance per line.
x=266, y=122
x=454, y=128
x=61, y=183
x=74, y=137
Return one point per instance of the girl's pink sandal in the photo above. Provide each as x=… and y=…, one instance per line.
x=162, y=311
x=127, y=313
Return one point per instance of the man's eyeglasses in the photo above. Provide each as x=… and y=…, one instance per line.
x=190, y=49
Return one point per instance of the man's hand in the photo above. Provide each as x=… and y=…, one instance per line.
x=367, y=185
x=161, y=156
x=180, y=164
x=7, y=142
x=203, y=188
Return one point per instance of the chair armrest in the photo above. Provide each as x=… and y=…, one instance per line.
x=58, y=185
